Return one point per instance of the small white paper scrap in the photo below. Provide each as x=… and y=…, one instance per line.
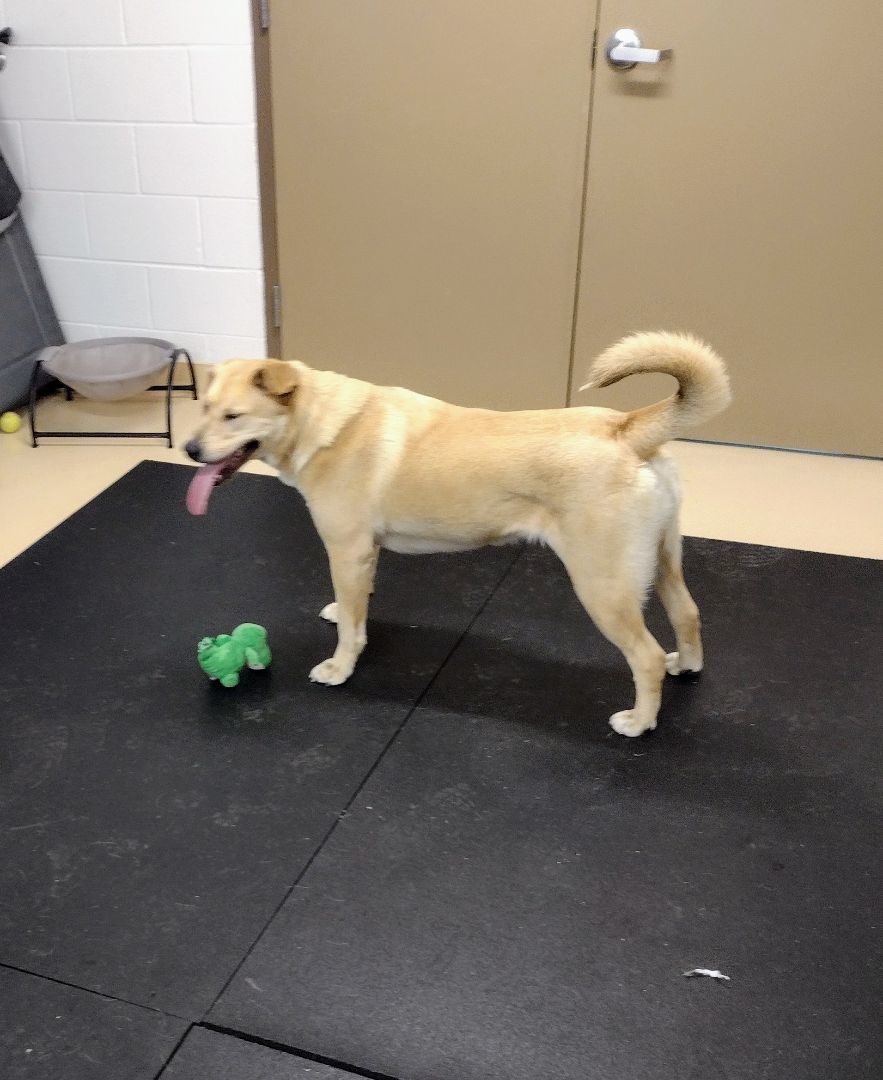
x=707, y=972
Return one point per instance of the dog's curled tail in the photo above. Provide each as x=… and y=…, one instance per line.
x=703, y=392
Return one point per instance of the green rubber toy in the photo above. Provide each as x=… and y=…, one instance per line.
x=222, y=658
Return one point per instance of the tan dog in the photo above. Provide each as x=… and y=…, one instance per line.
x=385, y=467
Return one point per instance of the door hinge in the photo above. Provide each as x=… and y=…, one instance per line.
x=264, y=14
x=276, y=295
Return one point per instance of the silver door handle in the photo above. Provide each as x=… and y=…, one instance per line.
x=623, y=51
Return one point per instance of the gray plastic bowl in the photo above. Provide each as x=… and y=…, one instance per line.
x=108, y=369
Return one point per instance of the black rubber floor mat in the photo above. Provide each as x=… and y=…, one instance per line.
x=55, y=1032
x=154, y=821
x=518, y=892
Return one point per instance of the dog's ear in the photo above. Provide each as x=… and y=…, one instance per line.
x=277, y=379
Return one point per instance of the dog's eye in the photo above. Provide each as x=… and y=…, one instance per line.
x=232, y=415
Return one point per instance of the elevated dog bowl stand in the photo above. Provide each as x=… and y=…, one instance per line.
x=167, y=387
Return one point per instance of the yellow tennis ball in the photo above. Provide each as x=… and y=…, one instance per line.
x=10, y=422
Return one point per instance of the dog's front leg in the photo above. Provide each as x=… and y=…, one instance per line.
x=329, y=612
x=352, y=574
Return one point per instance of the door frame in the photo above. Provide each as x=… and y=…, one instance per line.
x=266, y=176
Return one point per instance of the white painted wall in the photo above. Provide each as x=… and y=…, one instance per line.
x=130, y=126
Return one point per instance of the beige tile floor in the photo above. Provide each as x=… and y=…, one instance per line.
x=759, y=496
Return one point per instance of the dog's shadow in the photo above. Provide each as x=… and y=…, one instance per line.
x=566, y=688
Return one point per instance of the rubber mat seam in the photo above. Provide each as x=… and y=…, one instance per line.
x=386, y=747
x=294, y=1051
x=174, y=1051
x=95, y=993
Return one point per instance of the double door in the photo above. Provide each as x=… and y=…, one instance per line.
x=473, y=201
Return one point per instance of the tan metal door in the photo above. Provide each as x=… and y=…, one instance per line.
x=429, y=163
x=737, y=190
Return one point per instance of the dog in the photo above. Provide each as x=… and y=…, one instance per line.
x=384, y=467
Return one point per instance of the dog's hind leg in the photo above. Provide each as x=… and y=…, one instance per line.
x=352, y=572
x=613, y=599
x=679, y=605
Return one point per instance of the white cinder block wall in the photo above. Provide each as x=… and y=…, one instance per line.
x=130, y=126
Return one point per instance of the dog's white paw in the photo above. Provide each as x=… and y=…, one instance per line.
x=329, y=613
x=674, y=665
x=626, y=723
x=331, y=672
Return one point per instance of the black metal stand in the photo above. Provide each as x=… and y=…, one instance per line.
x=168, y=387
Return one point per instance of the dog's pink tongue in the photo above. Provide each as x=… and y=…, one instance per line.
x=201, y=487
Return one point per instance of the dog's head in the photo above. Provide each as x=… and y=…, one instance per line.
x=247, y=412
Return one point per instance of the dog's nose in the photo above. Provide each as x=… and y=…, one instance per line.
x=193, y=450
